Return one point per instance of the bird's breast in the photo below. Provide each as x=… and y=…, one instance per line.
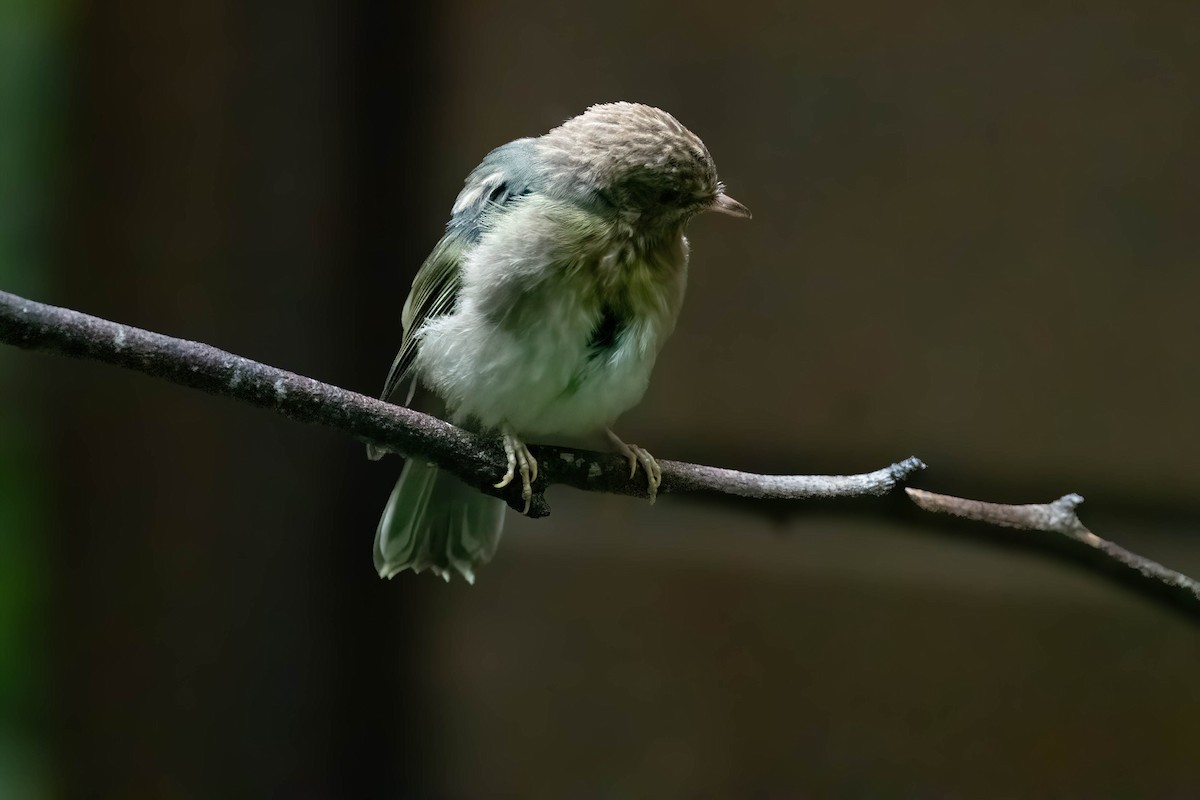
x=563, y=338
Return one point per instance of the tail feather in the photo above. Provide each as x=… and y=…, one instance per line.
x=435, y=521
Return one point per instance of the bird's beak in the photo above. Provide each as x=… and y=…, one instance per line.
x=725, y=204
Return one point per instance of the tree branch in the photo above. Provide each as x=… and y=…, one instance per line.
x=479, y=460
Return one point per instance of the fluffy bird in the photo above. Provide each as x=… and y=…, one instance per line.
x=542, y=309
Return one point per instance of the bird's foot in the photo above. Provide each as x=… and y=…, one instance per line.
x=638, y=455
x=520, y=461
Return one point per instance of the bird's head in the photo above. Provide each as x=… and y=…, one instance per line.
x=640, y=161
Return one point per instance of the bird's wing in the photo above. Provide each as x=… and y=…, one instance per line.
x=434, y=292
x=508, y=172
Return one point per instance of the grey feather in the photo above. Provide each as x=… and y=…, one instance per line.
x=506, y=173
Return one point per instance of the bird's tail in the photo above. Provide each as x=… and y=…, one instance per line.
x=435, y=521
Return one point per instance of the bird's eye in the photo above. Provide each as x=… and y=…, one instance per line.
x=497, y=193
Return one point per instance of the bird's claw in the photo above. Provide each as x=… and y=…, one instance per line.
x=522, y=462
x=638, y=455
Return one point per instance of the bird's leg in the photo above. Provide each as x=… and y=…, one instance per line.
x=519, y=460
x=637, y=455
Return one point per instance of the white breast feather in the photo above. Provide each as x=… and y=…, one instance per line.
x=516, y=349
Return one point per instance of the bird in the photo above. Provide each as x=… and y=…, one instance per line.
x=541, y=311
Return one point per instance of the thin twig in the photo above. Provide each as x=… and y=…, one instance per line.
x=1058, y=518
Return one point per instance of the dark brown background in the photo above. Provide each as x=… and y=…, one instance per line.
x=975, y=240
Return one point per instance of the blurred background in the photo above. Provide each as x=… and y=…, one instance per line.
x=975, y=240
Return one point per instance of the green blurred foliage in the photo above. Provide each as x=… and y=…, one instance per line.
x=31, y=81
